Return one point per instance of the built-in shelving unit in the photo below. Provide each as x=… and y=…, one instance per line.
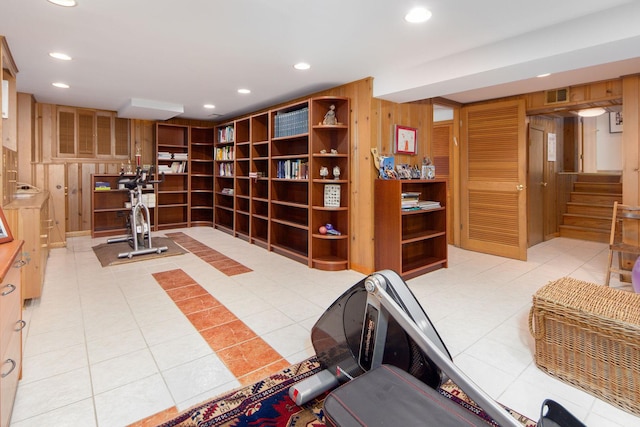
x=330, y=194
x=172, y=158
x=224, y=162
x=410, y=241
x=242, y=187
x=200, y=172
x=289, y=179
x=259, y=182
x=268, y=188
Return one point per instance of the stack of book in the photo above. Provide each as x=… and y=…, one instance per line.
x=256, y=175
x=410, y=201
x=428, y=204
x=102, y=186
x=180, y=156
x=164, y=155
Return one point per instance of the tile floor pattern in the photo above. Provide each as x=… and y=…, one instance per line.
x=108, y=346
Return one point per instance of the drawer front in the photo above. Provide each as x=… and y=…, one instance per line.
x=10, y=368
x=10, y=304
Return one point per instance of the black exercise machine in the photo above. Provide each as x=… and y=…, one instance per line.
x=384, y=360
x=139, y=219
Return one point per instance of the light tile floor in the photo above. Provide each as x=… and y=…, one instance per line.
x=107, y=346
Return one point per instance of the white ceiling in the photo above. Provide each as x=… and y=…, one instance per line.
x=193, y=52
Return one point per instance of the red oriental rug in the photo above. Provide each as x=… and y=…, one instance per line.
x=267, y=403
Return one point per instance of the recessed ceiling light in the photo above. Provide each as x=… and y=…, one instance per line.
x=302, y=66
x=244, y=91
x=61, y=85
x=60, y=55
x=543, y=75
x=65, y=3
x=209, y=106
x=417, y=15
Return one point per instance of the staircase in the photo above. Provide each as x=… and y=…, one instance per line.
x=590, y=207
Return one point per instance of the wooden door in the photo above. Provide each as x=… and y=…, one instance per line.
x=493, y=179
x=536, y=186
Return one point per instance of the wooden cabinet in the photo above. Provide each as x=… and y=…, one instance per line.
x=410, y=242
x=223, y=214
x=172, y=195
x=109, y=211
x=29, y=221
x=92, y=133
x=200, y=171
x=11, y=325
x=330, y=194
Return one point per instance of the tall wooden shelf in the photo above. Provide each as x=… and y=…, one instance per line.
x=289, y=204
x=223, y=192
x=268, y=189
x=410, y=242
x=330, y=149
x=200, y=173
x=242, y=190
x=260, y=195
x=172, y=197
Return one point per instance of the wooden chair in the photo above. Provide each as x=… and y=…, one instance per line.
x=625, y=220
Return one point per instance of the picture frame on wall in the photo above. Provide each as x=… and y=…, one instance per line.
x=406, y=140
x=5, y=233
x=615, y=122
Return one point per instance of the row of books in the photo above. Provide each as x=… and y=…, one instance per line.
x=292, y=169
x=225, y=134
x=166, y=155
x=225, y=153
x=291, y=123
x=225, y=169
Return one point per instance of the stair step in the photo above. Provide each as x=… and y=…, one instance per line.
x=582, y=233
x=599, y=177
x=598, y=187
x=597, y=198
x=604, y=210
x=587, y=221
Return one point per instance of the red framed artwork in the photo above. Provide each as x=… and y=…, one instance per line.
x=5, y=233
x=406, y=140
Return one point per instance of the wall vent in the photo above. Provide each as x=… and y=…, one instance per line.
x=556, y=96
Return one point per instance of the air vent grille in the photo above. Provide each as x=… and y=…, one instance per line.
x=556, y=96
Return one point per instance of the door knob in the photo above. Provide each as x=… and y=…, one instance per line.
x=519, y=187
x=544, y=184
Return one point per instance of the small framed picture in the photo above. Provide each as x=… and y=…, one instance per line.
x=406, y=139
x=615, y=122
x=5, y=233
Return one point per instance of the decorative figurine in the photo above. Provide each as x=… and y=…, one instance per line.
x=324, y=172
x=336, y=172
x=330, y=118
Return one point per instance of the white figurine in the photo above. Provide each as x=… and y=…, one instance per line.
x=336, y=172
x=330, y=117
x=324, y=172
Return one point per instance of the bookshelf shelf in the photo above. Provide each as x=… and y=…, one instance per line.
x=411, y=242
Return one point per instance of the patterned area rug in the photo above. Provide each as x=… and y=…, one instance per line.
x=267, y=403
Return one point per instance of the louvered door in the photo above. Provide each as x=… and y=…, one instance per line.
x=493, y=187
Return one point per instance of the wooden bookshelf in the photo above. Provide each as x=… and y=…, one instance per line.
x=289, y=191
x=260, y=195
x=410, y=242
x=224, y=180
x=330, y=149
x=242, y=193
x=200, y=172
x=172, y=196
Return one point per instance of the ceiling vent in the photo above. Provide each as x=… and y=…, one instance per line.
x=556, y=96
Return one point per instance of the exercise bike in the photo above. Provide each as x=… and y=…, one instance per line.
x=382, y=362
x=139, y=219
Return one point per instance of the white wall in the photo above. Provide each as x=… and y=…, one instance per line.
x=608, y=146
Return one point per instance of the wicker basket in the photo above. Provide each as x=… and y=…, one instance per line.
x=589, y=336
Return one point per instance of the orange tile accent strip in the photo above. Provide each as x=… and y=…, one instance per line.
x=246, y=355
x=214, y=258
